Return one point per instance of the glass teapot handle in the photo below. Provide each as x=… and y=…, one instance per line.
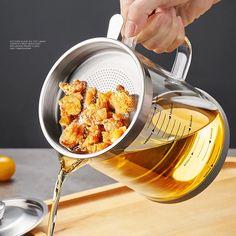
x=183, y=56
x=182, y=60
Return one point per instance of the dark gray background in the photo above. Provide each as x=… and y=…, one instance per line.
x=63, y=23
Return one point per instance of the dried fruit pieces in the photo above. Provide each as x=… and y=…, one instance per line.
x=121, y=101
x=70, y=106
x=92, y=120
x=75, y=87
x=72, y=135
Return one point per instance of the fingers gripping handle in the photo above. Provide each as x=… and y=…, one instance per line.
x=183, y=56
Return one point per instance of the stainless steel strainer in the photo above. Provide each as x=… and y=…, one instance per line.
x=103, y=63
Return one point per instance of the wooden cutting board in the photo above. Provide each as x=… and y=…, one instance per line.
x=115, y=210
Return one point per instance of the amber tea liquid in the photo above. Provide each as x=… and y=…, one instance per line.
x=188, y=141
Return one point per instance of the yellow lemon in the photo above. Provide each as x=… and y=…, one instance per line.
x=7, y=168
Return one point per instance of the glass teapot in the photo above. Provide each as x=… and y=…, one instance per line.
x=178, y=137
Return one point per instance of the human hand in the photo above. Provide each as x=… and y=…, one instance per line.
x=160, y=24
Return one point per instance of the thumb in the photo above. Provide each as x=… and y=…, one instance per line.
x=124, y=6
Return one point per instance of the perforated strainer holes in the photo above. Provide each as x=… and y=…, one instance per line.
x=108, y=79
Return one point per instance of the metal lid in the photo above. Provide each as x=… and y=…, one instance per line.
x=20, y=215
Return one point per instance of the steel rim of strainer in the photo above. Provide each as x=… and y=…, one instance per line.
x=138, y=120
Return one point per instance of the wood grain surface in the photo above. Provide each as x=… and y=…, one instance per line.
x=115, y=210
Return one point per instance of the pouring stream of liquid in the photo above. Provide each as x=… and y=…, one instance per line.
x=68, y=165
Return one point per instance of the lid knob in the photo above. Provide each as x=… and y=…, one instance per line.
x=2, y=209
